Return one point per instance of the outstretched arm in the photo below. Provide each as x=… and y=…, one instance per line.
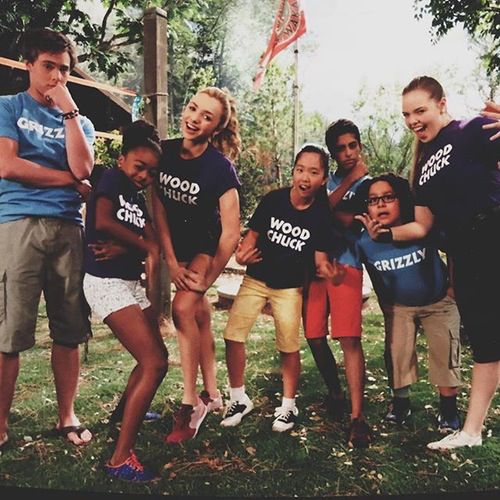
x=410, y=231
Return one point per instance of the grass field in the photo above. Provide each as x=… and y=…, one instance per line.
x=248, y=460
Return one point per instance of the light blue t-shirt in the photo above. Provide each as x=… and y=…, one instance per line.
x=40, y=134
x=345, y=238
x=409, y=273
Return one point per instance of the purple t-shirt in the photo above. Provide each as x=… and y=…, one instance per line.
x=190, y=189
x=458, y=175
x=129, y=209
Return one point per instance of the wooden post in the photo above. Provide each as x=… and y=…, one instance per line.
x=156, y=104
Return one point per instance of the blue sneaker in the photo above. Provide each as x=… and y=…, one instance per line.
x=447, y=425
x=130, y=470
x=151, y=416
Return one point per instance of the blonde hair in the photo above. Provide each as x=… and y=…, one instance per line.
x=227, y=136
x=436, y=92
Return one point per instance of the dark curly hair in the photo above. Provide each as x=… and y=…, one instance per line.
x=401, y=189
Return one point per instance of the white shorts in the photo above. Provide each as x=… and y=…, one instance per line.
x=108, y=295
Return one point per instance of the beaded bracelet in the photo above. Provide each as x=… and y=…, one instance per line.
x=70, y=114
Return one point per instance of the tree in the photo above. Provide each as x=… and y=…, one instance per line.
x=387, y=143
x=480, y=18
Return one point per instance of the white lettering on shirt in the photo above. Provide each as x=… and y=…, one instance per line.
x=131, y=213
x=179, y=190
x=435, y=163
x=33, y=126
x=400, y=262
x=284, y=234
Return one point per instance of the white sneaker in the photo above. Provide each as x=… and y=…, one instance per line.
x=285, y=418
x=456, y=440
x=236, y=411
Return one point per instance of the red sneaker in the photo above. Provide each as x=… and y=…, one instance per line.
x=187, y=421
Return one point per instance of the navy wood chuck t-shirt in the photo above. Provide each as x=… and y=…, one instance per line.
x=287, y=239
x=190, y=190
x=129, y=209
x=458, y=175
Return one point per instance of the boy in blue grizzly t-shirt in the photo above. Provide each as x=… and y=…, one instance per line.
x=46, y=156
x=411, y=283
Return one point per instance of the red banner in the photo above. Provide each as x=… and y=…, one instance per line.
x=289, y=24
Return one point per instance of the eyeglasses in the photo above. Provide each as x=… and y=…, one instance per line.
x=386, y=198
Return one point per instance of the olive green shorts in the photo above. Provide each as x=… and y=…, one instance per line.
x=41, y=254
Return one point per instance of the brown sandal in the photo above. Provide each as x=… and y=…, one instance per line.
x=77, y=429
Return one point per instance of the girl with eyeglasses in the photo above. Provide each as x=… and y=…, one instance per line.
x=456, y=181
x=411, y=283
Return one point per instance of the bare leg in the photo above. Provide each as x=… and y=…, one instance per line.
x=485, y=379
x=184, y=306
x=9, y=370
x=235, y=361
x=354, y=362
x=135, y=332
x=153, y=320
x=207, y=348
x=290, y=366
x=66, y=369
x=448, y=391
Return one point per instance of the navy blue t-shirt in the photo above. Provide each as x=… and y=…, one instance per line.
x=407, y=273
x=190, y=190
x=129, y=209
x=287, y=239
x=457, y=173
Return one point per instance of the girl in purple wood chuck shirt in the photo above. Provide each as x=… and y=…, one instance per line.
x=456, y=181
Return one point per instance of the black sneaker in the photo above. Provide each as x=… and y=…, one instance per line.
x=284, y=418
x=399, y=411
x=236, y=411
x=360, y=434
x=335, y=406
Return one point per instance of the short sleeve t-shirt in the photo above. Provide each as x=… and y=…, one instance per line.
x=129, y=209
x=406, y=273
x=457, y=173
x=287, y=239
x=40, y=134
x=190, y=189
x=344, y=238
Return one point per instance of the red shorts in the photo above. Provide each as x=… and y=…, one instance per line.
x=343, y=302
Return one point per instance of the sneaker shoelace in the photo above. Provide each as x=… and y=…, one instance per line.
x=234, y=408
x=133, y=462
x=283, y=415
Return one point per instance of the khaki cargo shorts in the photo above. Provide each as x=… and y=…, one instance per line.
x=41, y=254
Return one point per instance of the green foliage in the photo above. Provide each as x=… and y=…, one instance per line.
x=480, y=18
x=387, y=143
x=249, y=460
x=107, y=151
x=266, y=119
